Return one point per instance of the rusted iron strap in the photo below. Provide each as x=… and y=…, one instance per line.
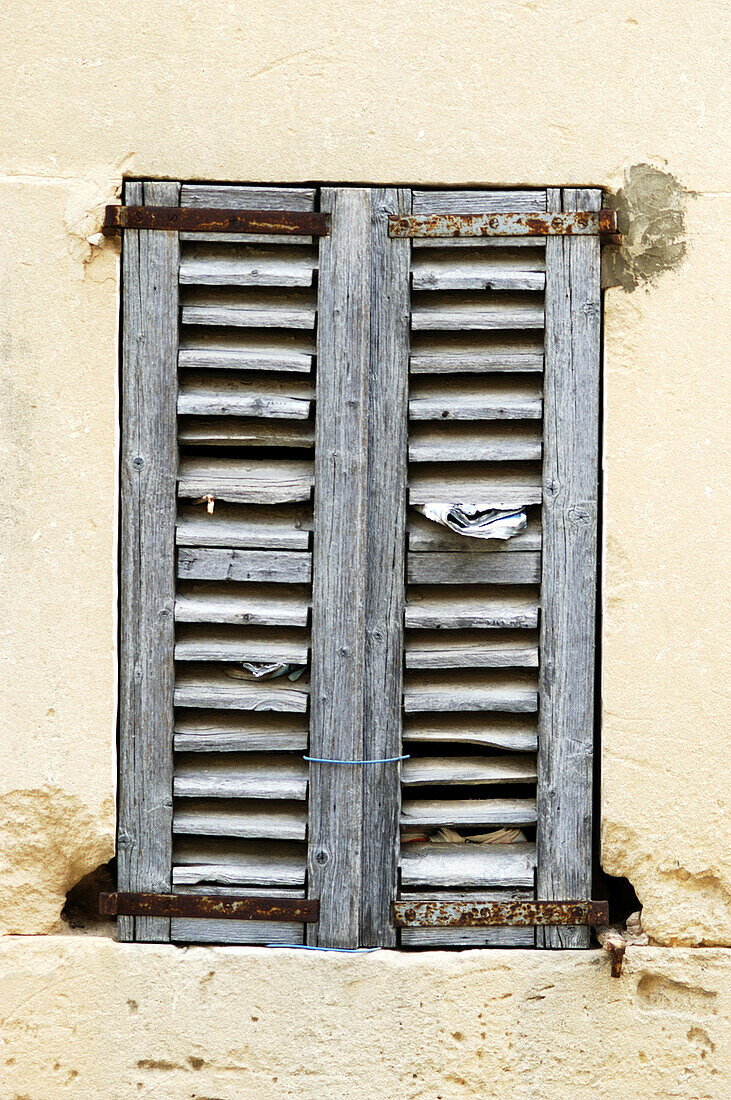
x=189, y=219
x=469, y=914
x=582, y=223
x=305, y=910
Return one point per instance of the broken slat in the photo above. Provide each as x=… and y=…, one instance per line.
x=237, y=863
x=220, y=431
x=511, y=733
x=473, y=812
x=468, y=770
x=220, y=690
x=200, y=643
x=209, y=564
x=469, y=649
x=425, y=535
x=210, y=396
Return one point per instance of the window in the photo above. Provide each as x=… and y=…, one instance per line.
x=295, y=408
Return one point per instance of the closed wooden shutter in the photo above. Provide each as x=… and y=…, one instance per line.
x=315, y=394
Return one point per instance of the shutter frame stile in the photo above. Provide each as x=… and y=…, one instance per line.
x=358, y=566
x=147, y=584
x=568, y=613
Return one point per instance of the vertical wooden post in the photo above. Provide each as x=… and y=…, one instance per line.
x=568, y=593
x=147, y=583
x=360, y=487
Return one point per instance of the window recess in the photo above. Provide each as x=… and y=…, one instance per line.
x=296, y=400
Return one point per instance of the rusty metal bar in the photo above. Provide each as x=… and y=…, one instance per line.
x=189, y=219
x=304, y=910
x=584, y=223
x=516, y=914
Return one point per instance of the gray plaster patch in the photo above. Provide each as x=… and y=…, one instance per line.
x=651, y=214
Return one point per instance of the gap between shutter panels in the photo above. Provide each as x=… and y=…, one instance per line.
x=244, y=571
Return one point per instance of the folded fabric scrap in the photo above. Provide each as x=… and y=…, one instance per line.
x=266, y=670
x=475, y=520
x=446, y=835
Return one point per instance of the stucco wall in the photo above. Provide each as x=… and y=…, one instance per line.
x=507, y=93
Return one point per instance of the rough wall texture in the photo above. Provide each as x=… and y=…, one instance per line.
x=98, y=1019
x=615, y=94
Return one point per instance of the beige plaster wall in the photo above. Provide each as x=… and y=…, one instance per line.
x=507, y=93
x=99, y=1019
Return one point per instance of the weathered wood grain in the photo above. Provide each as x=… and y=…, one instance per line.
x=472, y=812
x=221, y=643
x=455, y=362
x=454, y=313
x=251, y=819
x=477, y=201
x=450, y=608
x=474, y=441
x=147, y=571
x=470, y=649
x=230, y=526
x=468, y=770
x=252, y=775
x=220, y=690
x=246, y=481
x=291, y=309
x=513, y=733
x=215, y=731
x=209, y=564
x=255, y=605
x=208, y=265
x=452, y=568
x=568, y=591
x=467, y=865
x=237, y=862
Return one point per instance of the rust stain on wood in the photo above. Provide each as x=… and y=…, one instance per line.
x=305, y=910
x=211, y=220
x=468, y=914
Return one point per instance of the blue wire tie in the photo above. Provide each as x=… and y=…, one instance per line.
x=325, y=760
x=340, y=950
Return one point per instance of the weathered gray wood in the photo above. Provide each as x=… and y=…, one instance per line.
x=245, y=481
x=208, y=564
x=358, y=567
x=468, y=770
x=240, y=731
x=285, y=528
x=251, y=775
x=478, y=202
x=147, y=581
x=477, y=361
x=237, y=862
x=447, y=608
x=472, y=812
x=220, y=690
x=469, y=649
x=467, y=312
x=468, y=937
x=568, y=592
x=515, y=700
x=256, y=605
x=498, y=486
x=425, y=535
x=467, y=865
x=207, y=265
x=204, y=394
x=255, y=309
x=474, y=442
x=478, y=269
x=245, y=358
x=200, y=930
x=488, y=568
x=232, y=432
x=513, y=733
x=249, y=818
x=221, y=643
x=339, y=562
x=475, y=402
x=236, y=196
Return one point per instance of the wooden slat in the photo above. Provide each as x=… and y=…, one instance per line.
x=478, y=362
x=472, y=812
x=249, y=819
x=244, y=481
x=147, y=579
x=256, y=605
x=212, y=356
x=237, y=863
x=468, y=937
x=477, y=202
x=447, y=608
x=219, y=690
x=252, y=775
x=479, y=399
x=568, y=597
x=235, y=196
x=479, y=269
x=469, y=649
x=451, y=568
x=197, y=930
x=467, y=865
x=513, y=733
x=501, y=485
x=213, y=395
x=208, y=564
x=246, y=731
x=201, y=643
x=425, y=535
x=468, y=770
x=207, y=265
x=455, y=312
x=229, y=431
x=474, y=442
x=514, y=700
x=245, y=527
x=286, y=309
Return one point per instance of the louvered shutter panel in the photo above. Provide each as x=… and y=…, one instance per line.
x=314, y=392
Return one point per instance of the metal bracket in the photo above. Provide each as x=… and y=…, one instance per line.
x=190, y=219
x=517, y=914
x=581, y=223
x=299, y=910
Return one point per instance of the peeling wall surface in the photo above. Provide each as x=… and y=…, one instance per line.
x=621, y=95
